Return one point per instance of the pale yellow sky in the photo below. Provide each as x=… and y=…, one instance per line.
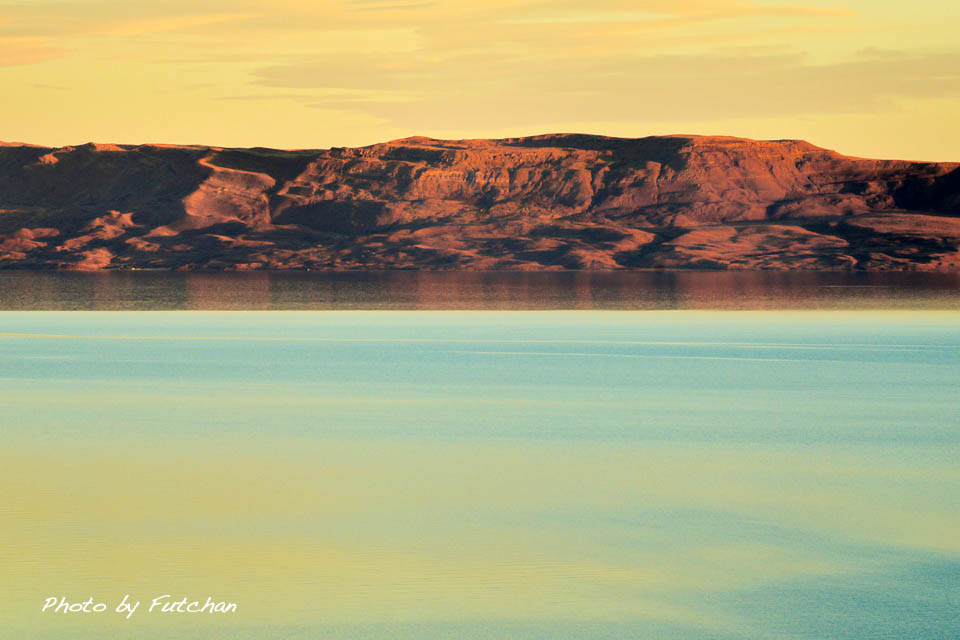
x=873, y=78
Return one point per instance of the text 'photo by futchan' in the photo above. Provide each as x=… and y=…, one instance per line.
x=501, y=320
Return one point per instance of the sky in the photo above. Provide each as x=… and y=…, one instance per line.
x=873, y=78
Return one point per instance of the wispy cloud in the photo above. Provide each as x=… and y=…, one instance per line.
x=165, y=24
x=392, y=6
x=680, y=14
x=18, y=51
x=663, y=87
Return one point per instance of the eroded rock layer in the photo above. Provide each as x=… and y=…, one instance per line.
x=544, y=202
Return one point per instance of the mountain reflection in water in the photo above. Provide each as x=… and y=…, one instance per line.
x=477, y=290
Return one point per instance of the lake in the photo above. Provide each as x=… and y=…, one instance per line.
x=677, y=472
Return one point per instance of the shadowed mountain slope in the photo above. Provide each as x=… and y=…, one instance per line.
x=561, y=201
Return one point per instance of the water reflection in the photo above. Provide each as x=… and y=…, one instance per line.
x=478, y=290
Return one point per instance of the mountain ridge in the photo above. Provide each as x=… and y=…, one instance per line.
x=551, y=201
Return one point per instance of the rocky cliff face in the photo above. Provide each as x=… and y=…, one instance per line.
x=545, y=202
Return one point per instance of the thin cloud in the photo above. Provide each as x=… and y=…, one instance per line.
x=480, y=91
x=877, y=53
x=271, y=97
x=171, y=23
x=20, y=51
x=746, y=11
x=395, y=7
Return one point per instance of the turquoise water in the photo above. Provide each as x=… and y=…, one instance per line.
x=562, y=474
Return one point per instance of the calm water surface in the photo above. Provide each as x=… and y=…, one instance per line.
x=477, y=290
x=394, y=475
